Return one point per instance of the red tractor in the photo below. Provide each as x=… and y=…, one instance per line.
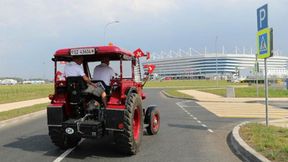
x=71, y=116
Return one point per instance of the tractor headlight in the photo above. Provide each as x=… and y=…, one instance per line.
x=69, y=130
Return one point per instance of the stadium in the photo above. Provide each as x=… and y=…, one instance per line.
x=222, y=66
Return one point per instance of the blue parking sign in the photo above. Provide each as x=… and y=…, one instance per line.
x=262, y=17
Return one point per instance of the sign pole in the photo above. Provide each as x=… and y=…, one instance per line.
x=257, y=85
x=257, y=71
x=266, y=91
x=264, y=45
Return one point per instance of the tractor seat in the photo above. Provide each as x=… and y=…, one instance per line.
x=107, y=88
x=75, y=87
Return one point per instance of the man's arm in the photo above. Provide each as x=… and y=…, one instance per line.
x=112, y=73
x=88, y=81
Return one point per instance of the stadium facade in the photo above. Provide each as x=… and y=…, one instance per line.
x=225, y=66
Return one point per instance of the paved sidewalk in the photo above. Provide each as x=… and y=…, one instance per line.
x=209, y=97
x=237, y=107
x=244, y=108
x=17, y=105
x=279, y=123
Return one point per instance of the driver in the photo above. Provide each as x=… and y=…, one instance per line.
x=103, y=72
x=74, y=69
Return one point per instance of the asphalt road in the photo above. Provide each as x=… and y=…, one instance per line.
x=187, y=133
x=279, y=104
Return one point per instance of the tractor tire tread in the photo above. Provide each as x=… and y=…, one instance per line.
x=125, y=139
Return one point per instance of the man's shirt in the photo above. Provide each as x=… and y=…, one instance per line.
x=73, y=69
x=103, y=72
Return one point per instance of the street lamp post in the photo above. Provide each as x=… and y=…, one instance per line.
x=106, y=27
x=216, y=39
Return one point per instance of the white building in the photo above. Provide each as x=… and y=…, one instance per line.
x=8, y=82
x=224, y=66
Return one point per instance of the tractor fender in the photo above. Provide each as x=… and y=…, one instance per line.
x=129, y=91
x=55, y=114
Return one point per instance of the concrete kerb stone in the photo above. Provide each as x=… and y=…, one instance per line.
x=243, y=148
x=170, y=96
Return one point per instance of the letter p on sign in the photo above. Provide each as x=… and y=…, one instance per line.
x=262, y=17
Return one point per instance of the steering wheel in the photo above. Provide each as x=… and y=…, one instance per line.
x=116, y=76
x=114, y=83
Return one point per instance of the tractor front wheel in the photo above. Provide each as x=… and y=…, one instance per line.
x=152, y=118
x=130, y=139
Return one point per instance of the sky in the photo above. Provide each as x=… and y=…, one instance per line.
x=32, y=30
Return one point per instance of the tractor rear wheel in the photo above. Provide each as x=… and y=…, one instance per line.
x=130, y=139
x=61, y=140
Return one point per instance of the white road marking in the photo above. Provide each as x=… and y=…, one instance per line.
x=67, y=152
x=192, y=106
x=210, y=130
x=180, y=104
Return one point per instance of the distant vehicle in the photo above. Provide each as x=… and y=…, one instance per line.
x=237, y=79
x=8, y=82
x=166, y=78
x=34, y=82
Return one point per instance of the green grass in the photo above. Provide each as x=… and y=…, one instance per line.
x=250, y=92
x=210, y=86
x=272, y=142
x=22, y=111
x=189, y=83
x=13, y=93
x=220, y=92
x=175, y=93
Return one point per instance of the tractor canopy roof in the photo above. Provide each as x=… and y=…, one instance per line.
x=93, y=53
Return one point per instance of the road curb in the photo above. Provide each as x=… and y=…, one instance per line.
x=21, y=118
x=170, y=96
x=241, y=147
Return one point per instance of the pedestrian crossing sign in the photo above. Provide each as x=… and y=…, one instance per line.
x=264, y=43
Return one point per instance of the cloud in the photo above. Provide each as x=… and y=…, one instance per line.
x=152, y=6
x=34, y=19
x=35, y=28
x=48, y=18
x=16, y=12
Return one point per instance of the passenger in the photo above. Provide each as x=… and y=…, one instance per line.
x=74, y=69
x=103, y=72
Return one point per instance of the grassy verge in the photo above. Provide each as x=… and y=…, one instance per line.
x=175, y=93
x=22, y=111
x=220, y=92
x=250, y=92
x=14, y=93
x=190, y=83
x=272, y=142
